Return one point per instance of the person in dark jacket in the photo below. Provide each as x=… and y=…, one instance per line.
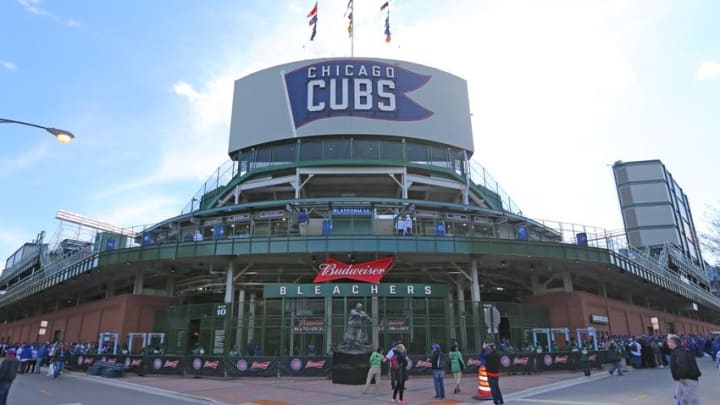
x=438, y=371
x=8, y=371
x=685, y=371
x=614, y=356
x=492, y=366
x=400, y=373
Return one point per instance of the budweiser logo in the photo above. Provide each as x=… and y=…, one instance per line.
x=520, y=361
x=171, y=364
x=211, y=364
x=473, y=362
x=369, y=272
x=423, y=363
x=136, y=362
x=89, y=360
x=592, y=357
x=315, y=364
x=561, y=359
x=262, y=365
x=310, y=322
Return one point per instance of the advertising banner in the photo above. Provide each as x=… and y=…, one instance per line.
x=394, y=325
x=82, y=362
x=309, y=326
x=205, y=366
x=134, y=364
x=419, y=364
x=350, y=96
x=165, y=364
x=259, y=366
x=303, y=366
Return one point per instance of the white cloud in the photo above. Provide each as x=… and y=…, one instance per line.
x=8, y=65
x=10, y=165
x=708, y=70
x=33, y=6
x=545, y=76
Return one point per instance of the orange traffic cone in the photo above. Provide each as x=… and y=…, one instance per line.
x=483, y=385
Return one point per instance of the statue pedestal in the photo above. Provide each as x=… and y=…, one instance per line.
x=350, y=368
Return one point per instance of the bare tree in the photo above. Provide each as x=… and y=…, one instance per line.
x=711, y=239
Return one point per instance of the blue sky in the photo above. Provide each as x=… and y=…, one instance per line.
x=559, y=90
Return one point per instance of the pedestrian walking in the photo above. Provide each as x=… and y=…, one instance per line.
x=58, y=360
x=400, y=373
x=8, y=371
x=376, y=359
x=438, y=371
x=685, y=372
x=585, y=360
x=392, y=363
x=614, y=356
x=457, y=364
x=492, y=367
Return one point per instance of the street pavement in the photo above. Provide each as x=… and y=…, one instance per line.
x=641, y=387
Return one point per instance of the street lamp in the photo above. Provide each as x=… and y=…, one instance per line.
x=61, y=135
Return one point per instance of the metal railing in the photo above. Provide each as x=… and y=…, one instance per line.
x=229, y=169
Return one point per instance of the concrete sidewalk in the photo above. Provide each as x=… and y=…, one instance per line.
x=318, y=391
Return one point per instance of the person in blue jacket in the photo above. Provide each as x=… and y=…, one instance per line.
x=41, y=353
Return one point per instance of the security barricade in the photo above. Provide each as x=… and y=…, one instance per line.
x=165, y=364
x=256, y=366
x=305, y=366
x=134, y=364
x=419, y=364
x=209, y=366
x=81, y=362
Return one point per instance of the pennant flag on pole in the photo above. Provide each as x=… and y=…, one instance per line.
x=384, y=6
x=388, y=36
x=349, y=14
x=313, y=12
x=312, y=15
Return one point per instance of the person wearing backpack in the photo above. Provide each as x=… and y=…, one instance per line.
x=685, y=372
x=457, y=364
x=392, y=363
x=399, y=373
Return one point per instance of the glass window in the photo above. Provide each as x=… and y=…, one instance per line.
x=365, y=149
x=284, y=153
x=337, y=148
x=311, y=150
x=262, y=155
x=391, y=150
x=416, y=152
x=438, y=156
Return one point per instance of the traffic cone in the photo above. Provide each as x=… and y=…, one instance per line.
x=483, y=385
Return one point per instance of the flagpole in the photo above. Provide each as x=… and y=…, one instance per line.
x=352, y=26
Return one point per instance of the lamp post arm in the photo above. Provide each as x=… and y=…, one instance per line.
x=7, y=121
x=61, y=135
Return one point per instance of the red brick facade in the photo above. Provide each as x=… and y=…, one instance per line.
x=573, y=310
x=120, y=314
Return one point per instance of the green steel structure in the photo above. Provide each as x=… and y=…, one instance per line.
x=273, y=214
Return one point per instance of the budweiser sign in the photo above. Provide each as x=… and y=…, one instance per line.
x=315, y=364
x=262, y=365
x=522, y=361
x=369, y=272
x=474, y=362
